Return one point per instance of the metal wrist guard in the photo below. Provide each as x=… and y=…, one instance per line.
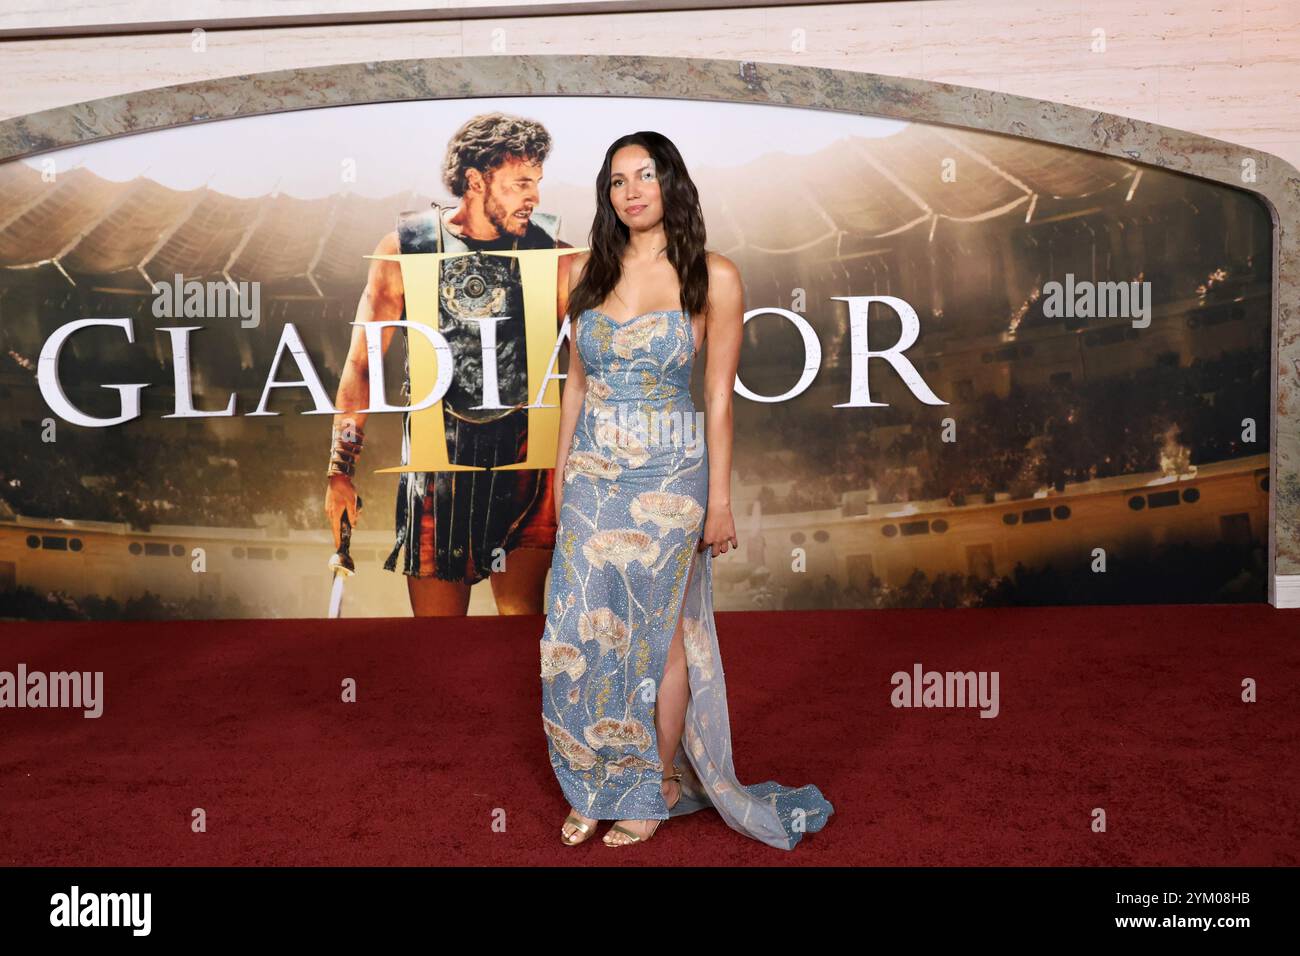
x=343, y=451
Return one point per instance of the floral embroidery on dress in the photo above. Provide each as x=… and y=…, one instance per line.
x=625, y=571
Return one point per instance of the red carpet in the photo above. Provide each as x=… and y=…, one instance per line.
x=1136, y=710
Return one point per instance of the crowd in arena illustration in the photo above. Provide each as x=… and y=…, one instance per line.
x=1033, y=439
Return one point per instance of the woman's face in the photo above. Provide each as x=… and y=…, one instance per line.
x=634, y=188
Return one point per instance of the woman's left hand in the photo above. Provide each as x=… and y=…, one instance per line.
x=719, y=530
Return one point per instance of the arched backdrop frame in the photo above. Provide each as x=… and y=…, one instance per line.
x=1276, y=181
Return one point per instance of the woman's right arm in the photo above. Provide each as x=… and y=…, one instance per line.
x=573, y=393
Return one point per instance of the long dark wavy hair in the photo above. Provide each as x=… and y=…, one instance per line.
x=683, y=227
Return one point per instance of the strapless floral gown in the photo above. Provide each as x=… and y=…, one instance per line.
x=636, y=488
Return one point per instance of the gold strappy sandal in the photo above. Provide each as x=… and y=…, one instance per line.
x=636, y=837
x=585, y=830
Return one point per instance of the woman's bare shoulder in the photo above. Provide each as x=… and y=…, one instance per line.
x=725, y=285
x=722, y=268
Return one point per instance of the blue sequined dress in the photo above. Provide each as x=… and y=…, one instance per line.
x=636, y=486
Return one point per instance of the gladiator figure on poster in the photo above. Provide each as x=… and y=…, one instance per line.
x=458, y=528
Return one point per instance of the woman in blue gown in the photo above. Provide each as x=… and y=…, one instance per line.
x=634, y=701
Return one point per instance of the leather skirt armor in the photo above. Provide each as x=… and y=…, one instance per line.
x=468, y=515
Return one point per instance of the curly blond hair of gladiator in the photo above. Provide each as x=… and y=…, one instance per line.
x=488, y=140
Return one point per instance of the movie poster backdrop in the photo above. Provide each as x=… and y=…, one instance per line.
x=977, y=370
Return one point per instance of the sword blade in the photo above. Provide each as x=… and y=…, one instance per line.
x=336, y=596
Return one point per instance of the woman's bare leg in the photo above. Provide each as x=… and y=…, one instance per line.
x=670, y=721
